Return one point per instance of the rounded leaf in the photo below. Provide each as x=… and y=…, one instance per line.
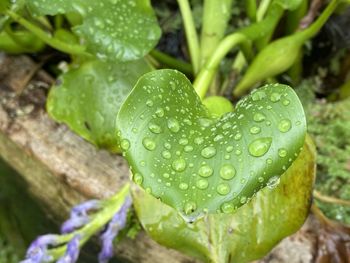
x=197, y=164
x=88, y=98
x=248, y=234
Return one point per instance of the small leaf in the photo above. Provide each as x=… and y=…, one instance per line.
x=88, y=98
x=248, y=234
x=195, y=163
x=218, y=105
x=113, y=29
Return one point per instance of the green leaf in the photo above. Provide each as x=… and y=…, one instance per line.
x=218, y=105
x=197, y=164
x=248, y=234
x=113, y=29
x=88, y=98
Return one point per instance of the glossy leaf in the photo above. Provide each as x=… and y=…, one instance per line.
x=88, y=98
x=250, y=233
x=112, y=29
x=197, y=164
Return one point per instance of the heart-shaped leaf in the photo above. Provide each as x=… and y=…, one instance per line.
x=248, y=234
x=88, y=98
x=197, y=164
x=112, y=29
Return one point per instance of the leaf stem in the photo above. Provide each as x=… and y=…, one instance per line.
x=191, y=33
x=250, y=7
x=263, y=7
x=205, y=76
x=112, y=206
x=172, y=62
x=47, y=38
x=216, y=15
x=330, y=199
x=313, y=29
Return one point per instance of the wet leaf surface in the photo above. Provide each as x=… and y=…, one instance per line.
x=198, y=164
x=88, y=98
x=251, y=232
x=121, y=30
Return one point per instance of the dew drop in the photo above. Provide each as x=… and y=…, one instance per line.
x=138, y=178
x=259, y=117
x=149, y=103
x=227, y=208
x=202, y=184
x=258, y=95
x=183, y=186
x=166, y=154
x=179, y=165
x=282, y=152
x=190, y=207
x=259, y=147
x=273, y=182
x=229, y=149
x=269, y=161
x=183, y=141
x=284, y=125
x=125, y=144
x=255, y=130
x=238, y=136
x=227, y=172
x=226, y=126
x=188, y=148
x=173, y=125
x=159, y=112
x=208, y=152
x=285, y=102
x=223, y=189
x=243, y=200
x=154, y=128
x=166, y=175
x=275, y=97
x=198, y=140
x=205, y=171
x=149, y=144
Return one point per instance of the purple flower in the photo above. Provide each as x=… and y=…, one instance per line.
x=72, y=252
x=117, y=223
x=73, y=223
x=83, y=208
x=79, y=216
x=38, y=250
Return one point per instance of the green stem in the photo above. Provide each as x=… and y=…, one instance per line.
x=205, y=76
x=263, y=7
x=315, y=27
x=250, y=7
x=216, y=15
x=191, y=33
x=112, y=206
x=47, y=38
x=172, y=62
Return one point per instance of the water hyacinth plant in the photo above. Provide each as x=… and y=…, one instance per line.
x=203, y=166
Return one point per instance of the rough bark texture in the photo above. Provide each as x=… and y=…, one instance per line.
x=61, y=169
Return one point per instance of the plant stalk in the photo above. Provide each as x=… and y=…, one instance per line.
x=191, y=33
